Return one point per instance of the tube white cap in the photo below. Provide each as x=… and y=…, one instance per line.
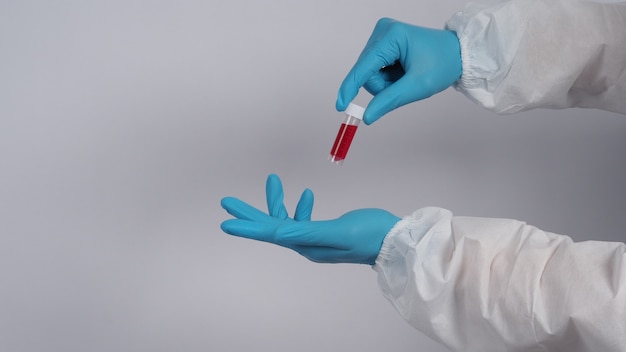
x=355, y=111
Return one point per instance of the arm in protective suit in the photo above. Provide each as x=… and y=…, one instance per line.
x=478, y=284
x=524, y=54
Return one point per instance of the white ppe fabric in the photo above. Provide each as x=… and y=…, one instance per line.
x=523, y=54
x=478, y=284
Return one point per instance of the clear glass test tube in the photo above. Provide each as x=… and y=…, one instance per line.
x=347, y=130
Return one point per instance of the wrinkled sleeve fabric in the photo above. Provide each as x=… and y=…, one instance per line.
x=479, y=284
x=524, y=54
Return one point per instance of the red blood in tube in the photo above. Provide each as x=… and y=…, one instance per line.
x=343, y=141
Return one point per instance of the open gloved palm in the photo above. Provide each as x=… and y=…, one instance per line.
x=355, y=237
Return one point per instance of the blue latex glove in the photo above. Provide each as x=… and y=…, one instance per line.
x=355, y=237
x=400, y=64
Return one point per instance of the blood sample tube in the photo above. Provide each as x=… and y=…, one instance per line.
x=353, y=115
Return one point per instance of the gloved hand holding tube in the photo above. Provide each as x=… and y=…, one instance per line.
x=400, y=64
x=355, y=237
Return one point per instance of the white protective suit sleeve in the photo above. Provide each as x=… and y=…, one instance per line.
x=478, y=284
x=524, y=54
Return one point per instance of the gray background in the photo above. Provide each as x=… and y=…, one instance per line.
x=123, y=123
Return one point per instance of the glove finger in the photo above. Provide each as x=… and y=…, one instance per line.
x=402, y=92
x=275, y=196
x=243, y=210
x=376, y=83
x=384, y=78
x=249, y=229
x=304, y=209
